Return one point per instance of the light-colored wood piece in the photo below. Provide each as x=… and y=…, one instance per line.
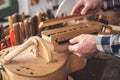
x=14, y=17
x=22, y=16
x=17, y=51
x=39, y=15
x=10, y=21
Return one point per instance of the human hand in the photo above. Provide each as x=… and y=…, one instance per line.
x=83, y=45
x=83, y=6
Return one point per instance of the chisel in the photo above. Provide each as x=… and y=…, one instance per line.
x=3, y=44
x=1, y=32
x=31, y=27
x=21, y=32
x=10, y=21
x=22, y=16
x=26, y=27
x=7, y=39
x=16, y=29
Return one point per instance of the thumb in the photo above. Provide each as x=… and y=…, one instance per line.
x=74, y=40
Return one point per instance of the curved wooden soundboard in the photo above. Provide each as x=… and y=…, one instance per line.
x=25, y=64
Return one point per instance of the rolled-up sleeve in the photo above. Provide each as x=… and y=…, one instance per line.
x=109, y=44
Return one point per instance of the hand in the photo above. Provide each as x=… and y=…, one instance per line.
x=83, y=6
x=83, y=45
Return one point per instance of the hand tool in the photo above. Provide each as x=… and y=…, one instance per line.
x=26, y=28
x=7, y=39
x=1, y=32
x=31, y=27
x=21, y=32
x=12, y=37
x=35, y=23
x=16, y=29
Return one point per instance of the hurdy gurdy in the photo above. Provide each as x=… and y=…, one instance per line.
x=47, y=58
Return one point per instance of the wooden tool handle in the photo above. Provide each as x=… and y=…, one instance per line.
x=10, y=21
x=64, y=19
x=21, y=32
x=14, y=17
x=31, y=27
x=35, y=23
x=22, y=16
x=16, y=28
x=26, y=27
x=39, y=15
x=1, y=32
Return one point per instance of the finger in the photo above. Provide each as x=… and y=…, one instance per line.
x=77, y=7
x=78, y=54
x=85, y=9
x=71, y=48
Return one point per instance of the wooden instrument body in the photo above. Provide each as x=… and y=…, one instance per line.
x=25, y=66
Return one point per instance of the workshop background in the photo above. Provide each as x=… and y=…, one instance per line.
x=100, y=67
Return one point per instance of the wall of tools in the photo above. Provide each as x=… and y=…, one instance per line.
x=21, y=28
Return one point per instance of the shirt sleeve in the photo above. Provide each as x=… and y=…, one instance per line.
x=111, y=5
x=109, y=44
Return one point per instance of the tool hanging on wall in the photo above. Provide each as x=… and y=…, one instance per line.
x=7, y=39
x=15, y=18
x=12, y=37
x=1, y=32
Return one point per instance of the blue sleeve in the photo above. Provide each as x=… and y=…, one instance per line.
x=109, y=44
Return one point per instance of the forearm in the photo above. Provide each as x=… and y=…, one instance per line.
x=109, y=44
x=111, y=5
